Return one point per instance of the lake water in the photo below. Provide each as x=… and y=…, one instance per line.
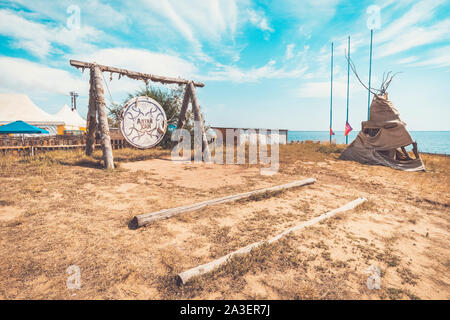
x=427, y=141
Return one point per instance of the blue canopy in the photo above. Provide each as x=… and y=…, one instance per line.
x=20, y=127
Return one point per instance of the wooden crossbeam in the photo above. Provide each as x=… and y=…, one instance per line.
x=133, y=74
x=97, y=107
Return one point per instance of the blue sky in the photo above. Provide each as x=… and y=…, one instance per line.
x=264, y=63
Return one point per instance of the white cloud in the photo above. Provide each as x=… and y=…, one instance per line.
x=259, y=20
x=103, y=14
x=310, y=13
x=419, y=13
x=143, y=61
x=290, y=51
x=268, y=71
x=322, y=89
x=19, y=75
x=407, y=60
x=25, y=76
x=317, y=89
x=197, y=19
x=416, y=36
x=38, y=38
x=167, y=9
x=302, y=32
x=413, y=29
x=439, y=58
x=93, y=12
x=416, y=26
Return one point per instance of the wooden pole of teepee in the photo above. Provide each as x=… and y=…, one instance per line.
x=348, y=86
x=331, y=95
x=91, y=117
x=102, y=118
x=370, y=73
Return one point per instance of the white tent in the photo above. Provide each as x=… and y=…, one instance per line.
x=71, y=119
x=15, y=107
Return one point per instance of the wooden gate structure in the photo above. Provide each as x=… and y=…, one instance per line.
x=97, y=106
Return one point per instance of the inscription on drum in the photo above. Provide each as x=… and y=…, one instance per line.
x=143, y=122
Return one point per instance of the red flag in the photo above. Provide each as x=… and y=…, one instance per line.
x=348, y=128
x=331, y=132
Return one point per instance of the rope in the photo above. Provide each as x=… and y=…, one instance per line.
x=107, y=88
x=386, y=81
x=112, y=101
x=352, y=66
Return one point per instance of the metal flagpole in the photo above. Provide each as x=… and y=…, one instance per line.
x=348, y=84
x=370, y=73
x=331, y=95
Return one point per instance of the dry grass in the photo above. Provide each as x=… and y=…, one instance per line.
x=61, y=208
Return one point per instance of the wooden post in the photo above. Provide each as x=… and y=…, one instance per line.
x=91, y=117
x=198, y=117
x=184, y=107
x=185, y=276
x=416, y=153
x=146, y=218
x=103, y=119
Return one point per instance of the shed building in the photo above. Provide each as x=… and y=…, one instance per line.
x=252, y=135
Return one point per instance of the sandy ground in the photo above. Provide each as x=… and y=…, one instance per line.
x=56, y=215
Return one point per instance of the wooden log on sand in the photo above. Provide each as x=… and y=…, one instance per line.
x=183, y=277
x=143, y=219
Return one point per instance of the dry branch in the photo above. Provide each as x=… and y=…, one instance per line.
x=143, y=219
x=183, y=277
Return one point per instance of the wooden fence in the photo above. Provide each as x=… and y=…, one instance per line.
x=35, y=145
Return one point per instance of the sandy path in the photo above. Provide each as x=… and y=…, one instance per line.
x=75, y=215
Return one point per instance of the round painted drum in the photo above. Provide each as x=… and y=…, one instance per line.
x=143, y=122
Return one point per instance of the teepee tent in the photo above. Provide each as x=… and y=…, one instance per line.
x=72, y=120
x=15, y=107
x=383, y=138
